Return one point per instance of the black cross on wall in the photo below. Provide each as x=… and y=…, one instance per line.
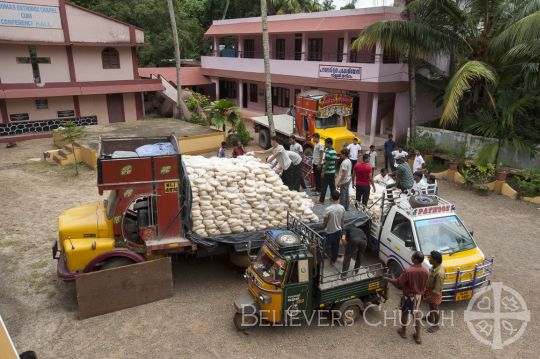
x=35, y=61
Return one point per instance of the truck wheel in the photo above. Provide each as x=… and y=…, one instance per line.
x=116, y=262
x=394, y=269
x=308, y=151
x=245, y=323
x=239, y=259
x=264, y=138
x=350, y=312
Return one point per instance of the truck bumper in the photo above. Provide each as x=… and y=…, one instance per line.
x=61, y=268
x=461, y=289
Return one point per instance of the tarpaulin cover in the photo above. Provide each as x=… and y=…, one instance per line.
x=240, y=240
x=156, y=149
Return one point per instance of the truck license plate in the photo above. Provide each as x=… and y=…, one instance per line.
x=463, y=295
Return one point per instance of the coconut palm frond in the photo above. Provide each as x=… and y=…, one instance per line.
x=523, y=53
x=523, y=31
x=470, y=73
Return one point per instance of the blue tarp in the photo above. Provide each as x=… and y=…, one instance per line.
x=156, y=149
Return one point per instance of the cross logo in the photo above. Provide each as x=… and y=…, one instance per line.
x=497, y=316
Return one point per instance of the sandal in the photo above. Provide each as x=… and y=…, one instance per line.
x=402, y=333
x=417, y=339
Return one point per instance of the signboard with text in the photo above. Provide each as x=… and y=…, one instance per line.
x=340, y=72
x=27, y=15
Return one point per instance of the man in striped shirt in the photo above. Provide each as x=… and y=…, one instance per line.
x=328, y=172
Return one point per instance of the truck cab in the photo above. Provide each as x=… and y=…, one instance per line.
x=290, y=278
x=425, y=223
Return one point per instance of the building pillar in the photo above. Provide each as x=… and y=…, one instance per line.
x=364, y=112
x=401, y=116
x=215, y=81
x=241, y=93
x=4, y=112
x=374, y=114
x=346, y=40
x=216, y=46
x=378, y=53
x=304, y=46
x=240, y=46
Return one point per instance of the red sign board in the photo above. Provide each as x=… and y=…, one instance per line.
x=335, y=100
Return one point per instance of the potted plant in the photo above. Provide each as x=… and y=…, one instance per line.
x=482, y=175
x=501, y=173
x=456, y=155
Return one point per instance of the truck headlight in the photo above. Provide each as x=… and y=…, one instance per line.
x=265, y=299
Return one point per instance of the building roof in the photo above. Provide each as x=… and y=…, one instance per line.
x=337, y=20
x=190, y=76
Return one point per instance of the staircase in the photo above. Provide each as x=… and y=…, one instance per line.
x=65, y=156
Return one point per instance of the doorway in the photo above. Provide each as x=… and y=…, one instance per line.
x=245, y=95
x=115, y=108
x=354, y=117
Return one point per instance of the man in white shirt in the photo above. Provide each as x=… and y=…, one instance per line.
x=296, y=169
x=318, y=152
x=354, y=149
x=372, y=158
x=334, y=218
x=382, y=178
x=419, y=186
x=297, y=148
x=399, y=153
x=418, y=161
x=343, y=181
x=278, y=153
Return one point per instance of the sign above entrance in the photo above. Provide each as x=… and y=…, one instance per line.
x=340, y=72
x=26, y=15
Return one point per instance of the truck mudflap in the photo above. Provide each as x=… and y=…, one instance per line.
x=464, y=284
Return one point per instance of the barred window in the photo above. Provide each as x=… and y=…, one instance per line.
x=110, y=58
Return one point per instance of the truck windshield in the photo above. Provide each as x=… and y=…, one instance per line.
x=446, y=235
x=110, y=203
x=269, y=269
x=328, y=122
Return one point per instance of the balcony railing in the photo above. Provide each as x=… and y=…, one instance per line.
x=355, y=57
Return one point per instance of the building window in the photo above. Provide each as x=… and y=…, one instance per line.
x=280, y=96
x=253, y=93
x=298, y=46
x=315, y=50
x=42, y=104
x=110, y=58
x=280, y=49
x=363, y=56
x=390, y=57
x=340, y=43
x=249, y=48
x=227, y=89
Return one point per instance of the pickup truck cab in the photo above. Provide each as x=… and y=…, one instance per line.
x=402, y=224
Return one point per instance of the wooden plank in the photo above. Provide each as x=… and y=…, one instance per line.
x=114, y=289
x=7, y=349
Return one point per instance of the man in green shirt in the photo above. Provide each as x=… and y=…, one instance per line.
x=434, y=289
x=328, y=171
x=403, y=175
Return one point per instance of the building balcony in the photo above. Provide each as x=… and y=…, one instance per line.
x=368, y=68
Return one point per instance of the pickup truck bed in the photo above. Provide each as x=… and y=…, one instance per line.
x=284, y=124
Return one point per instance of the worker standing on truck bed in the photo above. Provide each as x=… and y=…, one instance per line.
x=278, y=153
x=355, y=242
x=296, y=147
x=296, y=170
x=318, y=152
x=334, y=217
x=412, y=282
x=329, y=169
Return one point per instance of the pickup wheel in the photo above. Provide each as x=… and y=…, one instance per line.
x=394, y=269
x=116, y=262
x=242, y=324
x=264, y=138
x=350, y=312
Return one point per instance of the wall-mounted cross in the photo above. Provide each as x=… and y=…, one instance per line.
x=35, y=61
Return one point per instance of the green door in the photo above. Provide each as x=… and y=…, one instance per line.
x=297, y=291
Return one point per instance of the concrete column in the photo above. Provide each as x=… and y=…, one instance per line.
x=378, y=53
x=346, y=41
x=364, y=113
x=241, y=93
x=240, y=46
x=401, y=117
x=216, y=46
x=215, y=81
x=304, y=46
x=374, y=113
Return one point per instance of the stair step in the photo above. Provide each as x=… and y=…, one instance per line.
x=65, y=153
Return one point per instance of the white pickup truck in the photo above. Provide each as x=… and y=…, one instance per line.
x=401, y=224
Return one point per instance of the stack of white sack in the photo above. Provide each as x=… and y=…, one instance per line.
x=233, y=195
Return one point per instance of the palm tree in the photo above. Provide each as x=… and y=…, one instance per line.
x=425, y=33
x=227, y=3
x=267, y=74
x=183, y=112
x=280, y=7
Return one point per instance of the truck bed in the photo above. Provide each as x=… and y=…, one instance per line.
x=284, y=124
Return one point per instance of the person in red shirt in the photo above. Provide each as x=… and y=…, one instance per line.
x=238, y=150
x=361, y=179
x=413, y=283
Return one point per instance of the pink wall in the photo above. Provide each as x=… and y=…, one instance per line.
x=130, y=113
x=95, y=105
x=12, y=72
x=28, y=105
x=86, y=27
x=88, y=66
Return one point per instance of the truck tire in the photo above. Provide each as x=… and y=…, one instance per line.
x=239, y=259
x=246, y=323
x=264, y=138
x=394, y=269
x=423, y=201
x=350, y=311
x=116, y=262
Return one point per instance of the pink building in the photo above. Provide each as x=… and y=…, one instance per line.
x=313, y=51
x=59, y=61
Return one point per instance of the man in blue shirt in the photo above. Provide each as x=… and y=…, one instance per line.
x=389, y=146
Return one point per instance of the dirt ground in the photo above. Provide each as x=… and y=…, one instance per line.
x=41, y=312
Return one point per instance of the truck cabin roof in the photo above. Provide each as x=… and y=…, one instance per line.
x=127, y=145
